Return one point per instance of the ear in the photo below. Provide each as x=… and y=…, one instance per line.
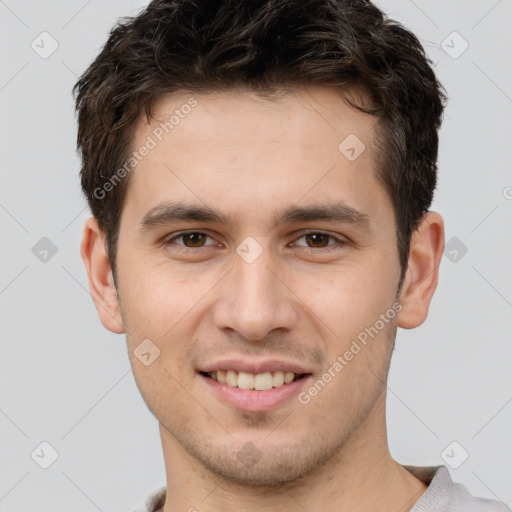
x=420, y=281
x=99, y=274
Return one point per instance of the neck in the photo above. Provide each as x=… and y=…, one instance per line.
x=360, y=476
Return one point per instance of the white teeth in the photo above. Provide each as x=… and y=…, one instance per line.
x=260, y=381
x=232, y=378
x=263, y=381
x=245, y=380
x=278, y=379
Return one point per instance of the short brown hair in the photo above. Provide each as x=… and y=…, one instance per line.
x=266, y=46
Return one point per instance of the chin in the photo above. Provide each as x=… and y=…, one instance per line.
x=255, y=466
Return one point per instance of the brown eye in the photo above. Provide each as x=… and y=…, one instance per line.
x=191, y=240
x=318, y=240
x=194, y=239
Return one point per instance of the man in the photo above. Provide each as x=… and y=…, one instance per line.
x=260, y=175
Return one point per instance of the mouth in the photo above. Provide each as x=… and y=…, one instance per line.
x=254, y=392
x=256, y=382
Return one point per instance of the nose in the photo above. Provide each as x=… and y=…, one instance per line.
x=255, y=299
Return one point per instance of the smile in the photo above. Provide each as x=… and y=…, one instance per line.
x=250, y=381
x=254, y=392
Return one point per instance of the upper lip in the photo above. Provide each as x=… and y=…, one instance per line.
x=253, y=366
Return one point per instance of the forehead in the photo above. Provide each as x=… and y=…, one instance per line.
x=298, y=115
x=238, y=150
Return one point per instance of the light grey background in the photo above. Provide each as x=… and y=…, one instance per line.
x=67, y=381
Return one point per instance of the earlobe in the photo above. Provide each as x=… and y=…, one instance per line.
x=99, y=274
x=420, y=282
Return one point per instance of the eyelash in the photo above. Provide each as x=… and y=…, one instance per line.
x=339, y=242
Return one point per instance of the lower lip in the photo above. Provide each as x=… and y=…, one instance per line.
x=252, y=400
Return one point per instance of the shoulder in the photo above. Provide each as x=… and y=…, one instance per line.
x=154, y=502
x=443, y=495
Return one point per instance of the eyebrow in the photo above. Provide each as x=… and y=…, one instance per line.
x=178, y=211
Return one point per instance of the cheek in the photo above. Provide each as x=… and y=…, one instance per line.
x=347, y=298
x=156, y=298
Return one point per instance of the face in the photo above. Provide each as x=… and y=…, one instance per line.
x=251, y=241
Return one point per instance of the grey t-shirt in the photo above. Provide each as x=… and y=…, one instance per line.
x=442, y=495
